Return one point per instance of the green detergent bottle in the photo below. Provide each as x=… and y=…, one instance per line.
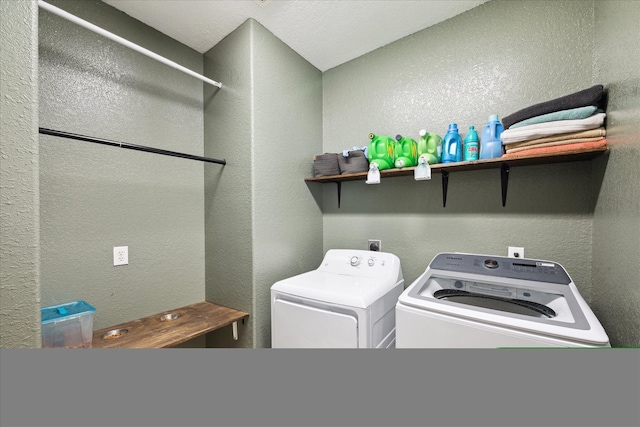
x=429, y=147
x=381, y=149
x=406, y=152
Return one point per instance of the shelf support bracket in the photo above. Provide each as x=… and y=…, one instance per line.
x=504, y=182
x=339, y=184
x=445, y=185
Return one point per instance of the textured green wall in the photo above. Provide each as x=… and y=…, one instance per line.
x=263, y=224
x=616, y=229
x=95, y=197
x=287, y=231
x=19, y=198
x=497, y=58
x=228, y=135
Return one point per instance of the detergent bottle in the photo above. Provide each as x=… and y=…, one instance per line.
x=406, y=152
x=490, y=143
x=381, y=149
x=429, y=147
x=452, y=145
x=471, y=145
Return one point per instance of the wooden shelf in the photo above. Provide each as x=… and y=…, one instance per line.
x=152, y=332
x=565, y=156
x=502, y=163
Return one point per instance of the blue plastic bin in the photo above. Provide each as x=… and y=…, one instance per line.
x=67, y=325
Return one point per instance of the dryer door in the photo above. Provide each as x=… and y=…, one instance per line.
x=301, y=326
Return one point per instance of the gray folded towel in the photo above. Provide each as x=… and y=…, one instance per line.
x=356, y=162
x=583, y=98
x=325, y=165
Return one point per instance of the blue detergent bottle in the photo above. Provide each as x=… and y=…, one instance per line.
x=452, y=145
x=490, y=143
x=471, y=145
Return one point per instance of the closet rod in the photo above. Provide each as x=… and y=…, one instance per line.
x=69, y=135
x=127, y=43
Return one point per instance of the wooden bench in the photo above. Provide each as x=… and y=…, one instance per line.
x=169, y=328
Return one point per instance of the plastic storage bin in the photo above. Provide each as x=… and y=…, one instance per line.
x=67, y=325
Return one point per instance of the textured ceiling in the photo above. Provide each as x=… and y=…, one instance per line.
x=326, y=33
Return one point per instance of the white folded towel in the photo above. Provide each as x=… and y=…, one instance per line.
x=540, y=130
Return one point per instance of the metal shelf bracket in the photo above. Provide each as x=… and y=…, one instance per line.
x=445, y=184
x=504, y=182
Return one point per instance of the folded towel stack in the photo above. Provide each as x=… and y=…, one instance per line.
x=571, y=122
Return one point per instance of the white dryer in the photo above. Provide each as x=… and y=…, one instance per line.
x=479, y=301
x=347, y=302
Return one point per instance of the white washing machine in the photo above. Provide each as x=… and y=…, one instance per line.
x=347, y=302
x=480, y=301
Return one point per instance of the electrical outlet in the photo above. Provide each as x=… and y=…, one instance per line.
x=120, y=255
x=516, y=252
x=375, y=245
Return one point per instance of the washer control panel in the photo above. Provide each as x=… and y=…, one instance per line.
x=515, y=268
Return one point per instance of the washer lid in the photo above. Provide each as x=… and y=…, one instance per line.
x=352, y=291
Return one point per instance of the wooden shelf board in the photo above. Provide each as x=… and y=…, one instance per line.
x=540, y=159
x=150, y=332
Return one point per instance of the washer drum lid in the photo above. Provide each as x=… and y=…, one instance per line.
x=352, y=291
x=505, y=305
x=583, y=327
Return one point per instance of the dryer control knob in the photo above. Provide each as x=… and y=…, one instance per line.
x=355, y=261
x=371, y=262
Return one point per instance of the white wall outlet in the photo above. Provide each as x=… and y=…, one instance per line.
x=375, y=245
x=516, y=252
x=120, y=255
